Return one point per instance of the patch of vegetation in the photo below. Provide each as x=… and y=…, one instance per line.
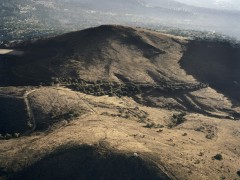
x=153, y=125
x=210, y=135
x=8, y=136
x=200, y=129
x=184, y=134
x=177, y=119
x=133, y=112
x=101, y=88
x=107, y=88
x=129, y=113
x=208, y=129
x=218, y=157
x=150, y=125
x=70, y=115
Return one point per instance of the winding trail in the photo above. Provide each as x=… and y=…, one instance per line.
x=30, y=111
x=89, y=106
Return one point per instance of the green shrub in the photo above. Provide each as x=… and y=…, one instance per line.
x=177, y=119
x=150, y=125
x=218, y=157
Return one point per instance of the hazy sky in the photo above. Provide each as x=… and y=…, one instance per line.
x=217, y=4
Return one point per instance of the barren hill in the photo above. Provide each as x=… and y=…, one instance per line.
x=165, y=107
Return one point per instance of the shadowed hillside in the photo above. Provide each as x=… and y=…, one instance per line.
x=87, y=162
x=215, y=63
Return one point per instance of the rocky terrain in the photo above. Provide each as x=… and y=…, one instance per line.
x=165, y=107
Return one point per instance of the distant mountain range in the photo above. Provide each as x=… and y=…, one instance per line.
x=23, y=19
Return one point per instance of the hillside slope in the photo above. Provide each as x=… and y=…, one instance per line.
x=103, y=52
x=143, y=103
x=180, y=148
x=216, y=64
x=156, y=69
